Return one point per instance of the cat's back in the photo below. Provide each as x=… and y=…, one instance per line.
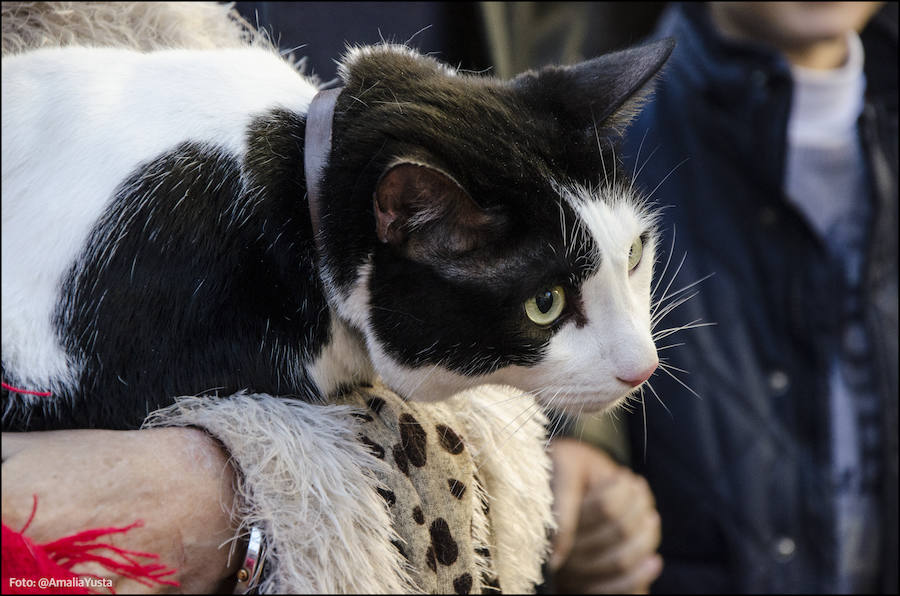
x=94, y=115
x=139, y=103
x=79, y=122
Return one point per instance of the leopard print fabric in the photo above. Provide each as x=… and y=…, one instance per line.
x=439, y=505
x=372, y=494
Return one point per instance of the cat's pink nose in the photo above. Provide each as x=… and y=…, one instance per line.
x=635, y=380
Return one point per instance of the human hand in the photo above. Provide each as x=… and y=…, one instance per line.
x=609, y=528
x=177, y=480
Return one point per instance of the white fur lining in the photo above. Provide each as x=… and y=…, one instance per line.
x=307, y=481
x=311, y=485
x=142, y=26
x=506, y=434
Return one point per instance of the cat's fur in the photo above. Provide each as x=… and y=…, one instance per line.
x=157, y=240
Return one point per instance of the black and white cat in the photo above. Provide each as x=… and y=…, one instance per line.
x=157, y=238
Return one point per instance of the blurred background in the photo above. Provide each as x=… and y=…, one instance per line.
x=504, y=37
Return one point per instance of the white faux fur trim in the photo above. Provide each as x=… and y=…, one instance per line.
x=506, y=433
x=308, y=481
x=138, y=25
x=310, y=484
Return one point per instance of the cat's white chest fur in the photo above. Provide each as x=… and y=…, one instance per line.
x=76, y=123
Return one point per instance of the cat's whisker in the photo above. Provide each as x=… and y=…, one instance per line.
x=411, y=394
x=614, y=412
x=522, y=394
x=672, y=171
x=666, y=267
x=691, y=285
x=692, y=325
x=679, y=291
x=626, y=406
x=644, y=418
x=657, y=317
x=638, y=159
x=551, y=434
x=671, y=367
x=580, y=414
x=661, y=402
x=656, y=322
x=660, y=348
x=680, y=382
x=562, y=228
x=600, y=149
x=612, y=146
x=664, y=333
x=646, y=161
x=529, y=411
x=515, y=418
x=671, y=281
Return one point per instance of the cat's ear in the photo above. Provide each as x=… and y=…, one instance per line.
x=424, y=212
x=606, y=91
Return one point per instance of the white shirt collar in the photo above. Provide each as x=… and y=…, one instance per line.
x=827, y=103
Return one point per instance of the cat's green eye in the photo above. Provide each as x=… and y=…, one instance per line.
x=634, y=255
x=545, y=307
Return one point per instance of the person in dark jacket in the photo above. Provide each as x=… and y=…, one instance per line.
x=780, y=474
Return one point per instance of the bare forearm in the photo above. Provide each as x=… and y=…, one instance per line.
x=177, y=480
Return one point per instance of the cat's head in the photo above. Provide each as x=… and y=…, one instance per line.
x=479, y=231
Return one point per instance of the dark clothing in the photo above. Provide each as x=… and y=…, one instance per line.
x=742, y=474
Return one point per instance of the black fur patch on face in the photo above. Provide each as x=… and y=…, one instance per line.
x=198, y=279
x=462, y=309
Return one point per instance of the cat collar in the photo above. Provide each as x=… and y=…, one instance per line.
x=317, y=150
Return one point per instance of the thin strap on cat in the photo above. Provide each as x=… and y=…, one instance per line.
x=317, y=149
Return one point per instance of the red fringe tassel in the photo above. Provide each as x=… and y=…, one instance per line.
x=30, y=568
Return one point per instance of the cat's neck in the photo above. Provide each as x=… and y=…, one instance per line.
x=343, y=360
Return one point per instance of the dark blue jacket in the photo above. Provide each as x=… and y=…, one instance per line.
x=740, y=474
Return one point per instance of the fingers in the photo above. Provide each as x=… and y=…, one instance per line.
x=608, y=537
x=620, y=558
x=568, y=490
x=619, y=527
x=612, y=514
x=636, y=581
x=609, y=501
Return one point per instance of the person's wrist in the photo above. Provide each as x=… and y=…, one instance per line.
x=206, y=459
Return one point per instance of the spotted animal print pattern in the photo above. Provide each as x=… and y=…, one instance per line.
x=439, y=506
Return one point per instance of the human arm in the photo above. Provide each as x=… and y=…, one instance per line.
x=609, y=529
x=177, y=480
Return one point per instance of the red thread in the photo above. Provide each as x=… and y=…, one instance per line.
x=25, y=391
